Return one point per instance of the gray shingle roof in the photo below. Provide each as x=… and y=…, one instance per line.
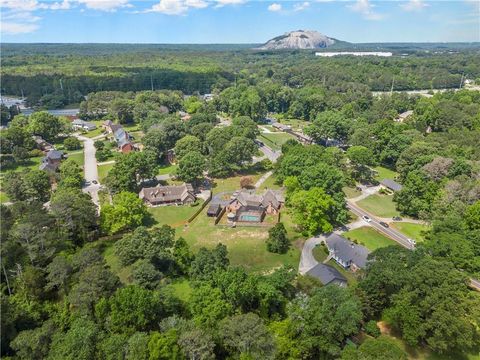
x=326, y=274
x=249, y=198
x=393, y=185
x=54, y=155
x=347, y=251
x=160, y=194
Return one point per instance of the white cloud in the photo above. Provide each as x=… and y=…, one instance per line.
x=177, y=7
x=64, y=5
x=105, y=5
x=275, y=7
x=302, y=6
x=169, y=7
x=229, y=2
x=414, y=5
x=13, y=28
x=20, y=5
x=198, y=4
x=365, y=8
x=32, y=5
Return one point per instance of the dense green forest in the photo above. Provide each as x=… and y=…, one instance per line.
x=71, y=71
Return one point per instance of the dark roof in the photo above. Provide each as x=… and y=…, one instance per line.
x=167, y=193
x=393, y=185
x=272, y=197
x=54, y=155
x=347, y=251
x=249, y=198
x=326, y=274
x=48, y=166
x=213, y=209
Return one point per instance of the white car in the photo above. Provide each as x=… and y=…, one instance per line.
x=366, y=218
x=412, y=242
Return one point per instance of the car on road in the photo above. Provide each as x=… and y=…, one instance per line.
x=366, y=218
x=397, y=218
x=384, y=224
x=412, y=242
x=94, y=182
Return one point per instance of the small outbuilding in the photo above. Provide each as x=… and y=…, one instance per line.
x=391, y=185
x=327, y=275
x=213, y=210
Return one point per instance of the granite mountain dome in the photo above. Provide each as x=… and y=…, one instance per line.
x=299, y=39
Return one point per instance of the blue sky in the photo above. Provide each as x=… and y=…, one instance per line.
x=236, y=21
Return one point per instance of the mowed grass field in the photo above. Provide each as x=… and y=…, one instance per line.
x=246, y=245
x=379, y=205
x=351, y=192
x=412, y=230
x=384, y=173
x=275, y=140
x=78, y=157
x=369, y=238
x=103, y=171
x=175, y=216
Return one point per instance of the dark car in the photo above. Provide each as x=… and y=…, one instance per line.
x=94, y=181
x=397, y=218
x=384, y=224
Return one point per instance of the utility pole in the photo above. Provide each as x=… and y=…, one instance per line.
x=61, y=85
x=151, y=81
x=391, y=89
x=461, y=81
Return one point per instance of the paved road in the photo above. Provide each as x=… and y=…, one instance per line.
x=375, y=223
x=272, y=155
x=90, y=168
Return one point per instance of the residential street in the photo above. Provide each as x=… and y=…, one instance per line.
x=90, y=168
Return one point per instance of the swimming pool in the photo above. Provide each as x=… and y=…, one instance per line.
x=249, y=218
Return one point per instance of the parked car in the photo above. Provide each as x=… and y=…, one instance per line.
x=366, y=218
x=95, y=182
x=397, y=218
x=412, y=242
x=384, y=224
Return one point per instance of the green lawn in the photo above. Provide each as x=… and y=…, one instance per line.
x=246, y=245
x=78, y=157
x=103, y=171
x=167, y=169
x=384, y=173
x=175, y=216
x=379, y=205
x=94, y=133
x=369, y=238
x=124, y=273
x=412, y=230
x=296, y=124
x=351, y=192
x=275, y=140
x=233, y=183
x=30, y=164
x=270, y=184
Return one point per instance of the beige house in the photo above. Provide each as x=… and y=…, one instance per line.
x=168, y=195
